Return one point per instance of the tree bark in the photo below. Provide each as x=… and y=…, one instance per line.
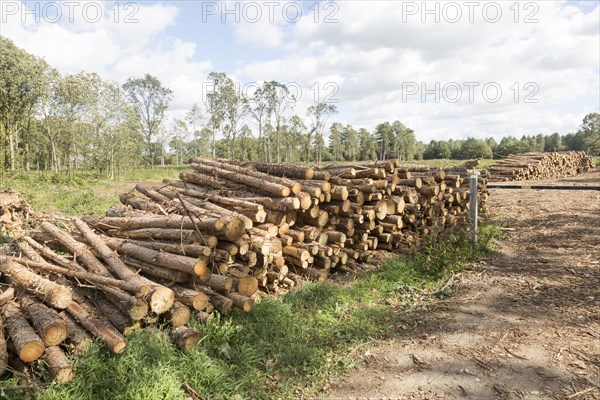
x=52, y=293
x=139, y=203
x=209, y=225
x=80, y=250
x=3, y=348
x=107, y=333
x=78, y=340
x=256, y=183
x=58, y=364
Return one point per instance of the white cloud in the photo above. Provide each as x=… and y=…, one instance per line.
x=123, y=44
x=378, y=54
x=372, y=53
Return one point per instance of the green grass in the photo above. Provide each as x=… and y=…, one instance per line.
x=597, y=162
x=285, y=348
x=85, y=193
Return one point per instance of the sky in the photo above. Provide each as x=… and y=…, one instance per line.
x=446, y=69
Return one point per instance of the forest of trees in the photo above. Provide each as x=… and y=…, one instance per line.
x=66, y=123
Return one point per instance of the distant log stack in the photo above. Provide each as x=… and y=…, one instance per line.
x=535, y=166
x=221, y=237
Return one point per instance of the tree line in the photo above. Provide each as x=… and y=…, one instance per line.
x=587, y=139
x=65, y=123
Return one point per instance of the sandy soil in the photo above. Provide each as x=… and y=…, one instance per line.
x=521, y=324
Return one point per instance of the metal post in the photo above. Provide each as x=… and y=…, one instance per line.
x=473, y=193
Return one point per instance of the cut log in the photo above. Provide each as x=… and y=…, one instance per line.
x=189, y=265
x=184, y=249
x=257, y=183
x=178, y=315
x=242, y=302
x=28, y=345
x=78, y=340
x=107, y=333
x=117, y=318
x=80, y=250
x=139, y=203
x=50, y=292
x=191, y=298
x=169, y=275
x=46, y=321
x=209, y=225
x=58, y=364
x=185, y=338
x=160, y=298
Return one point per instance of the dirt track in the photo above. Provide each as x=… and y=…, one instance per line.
x=522, y=324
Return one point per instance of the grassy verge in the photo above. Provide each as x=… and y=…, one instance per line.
x=85, y=193
x=285, y=348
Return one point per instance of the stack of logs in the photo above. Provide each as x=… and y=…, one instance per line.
x=223, y=236
x=519, y=167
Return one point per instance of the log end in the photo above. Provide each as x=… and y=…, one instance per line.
x=162, y=300
x=55, y=333
x=139, y=310
x=180, y=316
x=201, y=270
x=247, y=285
x=31, y=351
x=119, y=346
x=200, y=301
x=185, y=338
x=64, y=374
x=296, y=187
x=203, y=317
x=305, y=201
x=60, y=298
x=235, y=229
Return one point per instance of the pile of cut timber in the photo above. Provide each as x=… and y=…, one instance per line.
x=519, y=167
x=223, y=236
x=283, y=223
